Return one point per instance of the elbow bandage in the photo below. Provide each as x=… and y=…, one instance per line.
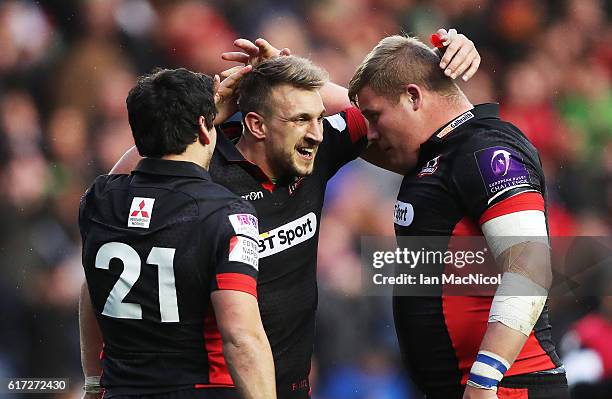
x=487, y=371
x=518, y=303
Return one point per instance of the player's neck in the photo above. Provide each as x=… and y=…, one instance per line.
x=254, y=151
x=445, y=110
x=194, y=153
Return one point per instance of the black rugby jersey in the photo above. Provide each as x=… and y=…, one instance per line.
x=474, y=169
x=289, y=217
x=156, y=243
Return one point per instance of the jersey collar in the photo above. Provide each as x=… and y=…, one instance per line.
x=166, y=167
x=227, y=149
x=481, y=111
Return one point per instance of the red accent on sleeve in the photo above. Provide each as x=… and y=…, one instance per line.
x=237, y=282
x=356, y=123
x=232, y=243
x=528, y=201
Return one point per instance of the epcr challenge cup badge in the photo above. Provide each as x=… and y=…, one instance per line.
x=500, y=162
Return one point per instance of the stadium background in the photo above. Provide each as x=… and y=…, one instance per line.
x=66, y=67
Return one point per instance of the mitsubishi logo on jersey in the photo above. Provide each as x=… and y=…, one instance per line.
x=287, y=235
x=145, y=214
x=140, y=212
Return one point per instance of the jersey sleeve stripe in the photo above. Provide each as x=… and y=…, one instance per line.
x=356, y=124
x=237, y=282
x=525, y=201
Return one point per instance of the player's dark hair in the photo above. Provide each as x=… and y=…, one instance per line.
x=255, y=87
x=164, y=107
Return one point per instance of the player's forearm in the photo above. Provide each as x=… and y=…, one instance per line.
x=503, y=341
x=250, y=362
x=335, y=98
x=515, y=309
x=90, y=335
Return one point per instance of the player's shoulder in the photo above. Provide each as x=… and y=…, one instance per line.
x=489, y=133
x=212, y=197
x=217, y=196
x=240, y=218
x=104, y=183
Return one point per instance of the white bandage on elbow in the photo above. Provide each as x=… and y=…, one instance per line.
x=518, y=303
x=506, y=231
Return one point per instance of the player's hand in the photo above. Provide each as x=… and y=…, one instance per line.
x=253, y=53
x=460, y=57
x=477, y=393
x=225, y=92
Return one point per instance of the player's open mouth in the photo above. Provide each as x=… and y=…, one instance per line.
x=306, y=152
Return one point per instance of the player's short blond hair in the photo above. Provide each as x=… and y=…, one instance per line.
x=397, y=61
x=255, y=87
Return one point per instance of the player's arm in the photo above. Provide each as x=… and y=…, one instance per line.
x=518, y=301
x=513, y=222
x=245, y=345
x=91, y=345
x=225, y=101
x=234, y=299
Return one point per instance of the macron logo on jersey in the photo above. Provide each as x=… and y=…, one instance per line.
x=288, y=235
x=141, y=212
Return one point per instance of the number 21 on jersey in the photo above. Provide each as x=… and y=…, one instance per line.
x=162, y=257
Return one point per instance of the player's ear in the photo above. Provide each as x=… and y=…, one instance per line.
x=413, y=95
x=255, y=124
x=204, y=133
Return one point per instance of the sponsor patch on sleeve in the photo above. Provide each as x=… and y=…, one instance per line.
x=403, y=213
x=245, y=224
x=502, y=169
x=244, y=250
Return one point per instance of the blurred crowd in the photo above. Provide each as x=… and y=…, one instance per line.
x=66, y=67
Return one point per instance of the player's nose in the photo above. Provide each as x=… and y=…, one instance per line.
x=315, y=132
x=373, y=134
